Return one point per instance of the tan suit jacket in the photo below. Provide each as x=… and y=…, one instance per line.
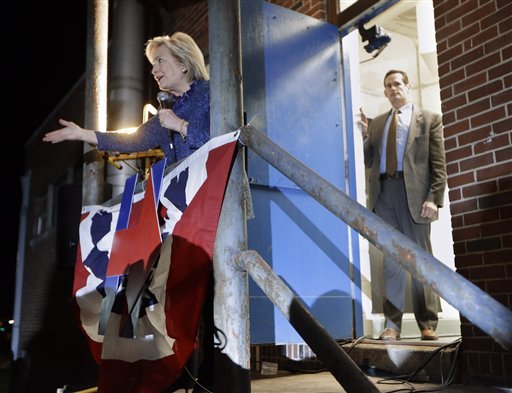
x=423, y=164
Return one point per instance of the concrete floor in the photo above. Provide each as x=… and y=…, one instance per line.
x=324, y=382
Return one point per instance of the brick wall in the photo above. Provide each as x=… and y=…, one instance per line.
x=475, y=66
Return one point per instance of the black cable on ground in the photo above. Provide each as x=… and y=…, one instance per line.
x=405, y=379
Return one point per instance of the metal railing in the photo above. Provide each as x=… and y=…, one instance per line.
x=475, y=304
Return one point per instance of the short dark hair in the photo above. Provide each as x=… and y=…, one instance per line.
x=404, y=76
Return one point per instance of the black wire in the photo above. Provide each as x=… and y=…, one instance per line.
x=379, y=51
x=407, y=377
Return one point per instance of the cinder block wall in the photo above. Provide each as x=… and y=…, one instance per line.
x=475, y=67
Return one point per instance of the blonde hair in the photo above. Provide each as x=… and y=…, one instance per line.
x=184, y=49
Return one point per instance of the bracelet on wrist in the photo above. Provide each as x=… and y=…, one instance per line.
x=183, y=124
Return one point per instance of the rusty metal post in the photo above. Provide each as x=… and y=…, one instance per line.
x=95, y=98
x=231, y=303
x=342, y=367
x=475, y=304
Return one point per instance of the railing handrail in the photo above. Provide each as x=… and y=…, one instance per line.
x=475, y=304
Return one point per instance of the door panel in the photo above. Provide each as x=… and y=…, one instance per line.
x=293, y=93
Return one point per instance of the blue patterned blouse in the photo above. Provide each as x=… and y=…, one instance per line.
x=193, y=106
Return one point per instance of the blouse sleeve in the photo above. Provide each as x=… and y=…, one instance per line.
x=149, y=135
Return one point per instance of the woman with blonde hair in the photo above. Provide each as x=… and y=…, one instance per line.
x=179, y=69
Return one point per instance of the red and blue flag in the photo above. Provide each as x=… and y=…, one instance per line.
x=143, y=267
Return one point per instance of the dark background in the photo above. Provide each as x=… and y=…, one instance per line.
x=44, y=55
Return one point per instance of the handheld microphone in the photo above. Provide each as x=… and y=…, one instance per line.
x=165, y=99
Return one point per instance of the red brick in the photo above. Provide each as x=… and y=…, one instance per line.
x=452, y=169
x=497, y=43
x=449, y=29
x=466, y=330
x=467, y=58
x=493, y=142
x=504, y=154
x=497, y=256
x=466, y=37
x=451, y=78
x=495, y=171
x=450, y=143
x=476, y=162
x=496, y=361
x=503, y=68
x=504, y=97
x=477, y=14
x=481, y=216
x=502, y=126
x=454, y=195
x=499, y=286
x=459, y=11
x=458, y=154
x=474, y=135
x=448, y=117
x=459, y=248
x=465, y=84
x=442, y=7
x=487, y=117
x=456, y=128
x=480, y=188
x=506, y=53
x=446, y=93
x=468, y=260
x=479, y=39
x=483, y=63
x=448, y=55
x=495, y=200
x=442, y=69
x=505, y=183
x=495, y=228
x=465, y=178
x=481, y=245
x=457, y=221
x=488, y=272
x=504, y=26
x=466, y=233
x=474, y=107
x=486, y=90
x=507, y=81
x=506, y=212
x=497, y=17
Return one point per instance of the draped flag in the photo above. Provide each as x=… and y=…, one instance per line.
x=143, y=267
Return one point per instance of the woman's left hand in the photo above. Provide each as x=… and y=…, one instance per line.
x=168, y=119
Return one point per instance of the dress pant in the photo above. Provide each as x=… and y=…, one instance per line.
x=392, y=207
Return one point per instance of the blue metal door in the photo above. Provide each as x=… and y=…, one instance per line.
x=293, y=93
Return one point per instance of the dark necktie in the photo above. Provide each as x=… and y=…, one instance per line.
x=391, y=162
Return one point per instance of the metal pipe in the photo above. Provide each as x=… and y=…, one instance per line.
x=342, y=367
x=95, y=96
x=475, y=304
x=20, y=265
x=125, y=80
x=231, y=307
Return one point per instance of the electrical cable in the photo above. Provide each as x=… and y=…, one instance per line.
x=196, y=381
x=405, y=379
x=379, y=51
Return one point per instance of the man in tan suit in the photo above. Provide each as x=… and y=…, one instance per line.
x=407, y=182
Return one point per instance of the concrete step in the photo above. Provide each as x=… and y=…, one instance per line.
x=417, y=360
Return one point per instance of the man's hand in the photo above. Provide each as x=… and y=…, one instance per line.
x=364, y=124
x=428, y=210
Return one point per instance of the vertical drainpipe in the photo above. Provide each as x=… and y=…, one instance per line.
x=231, y=309
x=125, y=81
x=20, y=265
x=95, y=97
